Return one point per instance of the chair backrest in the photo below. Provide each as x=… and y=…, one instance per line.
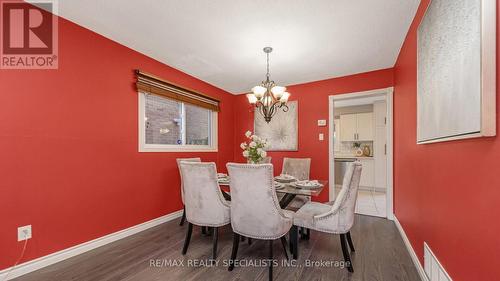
x=203, y=199
x=345, y=203
x=255, y=210
x=196, y=159
x=297, y=167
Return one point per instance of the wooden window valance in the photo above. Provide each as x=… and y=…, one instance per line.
x=151, y=84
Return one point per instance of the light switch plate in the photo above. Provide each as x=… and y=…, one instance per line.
x=321, y=123
x=321, y=137
x=24, y=233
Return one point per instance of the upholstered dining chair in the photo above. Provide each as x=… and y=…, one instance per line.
x=205, y=205
x=335, y=217
x=299, y=168
x=196, y=159
x=255, y=209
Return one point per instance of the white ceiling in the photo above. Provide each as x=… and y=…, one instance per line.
x=221, y=41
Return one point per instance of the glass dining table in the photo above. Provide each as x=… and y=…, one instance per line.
x=289, y=190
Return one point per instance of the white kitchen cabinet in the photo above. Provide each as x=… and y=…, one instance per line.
x=367, y=173
x=364, y=126
x=336, y=135
x=348, y=127
x=356, y=127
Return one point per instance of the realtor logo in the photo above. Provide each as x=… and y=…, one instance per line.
x=29, y=35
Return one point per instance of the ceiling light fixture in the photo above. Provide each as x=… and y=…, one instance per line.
x=268, y=97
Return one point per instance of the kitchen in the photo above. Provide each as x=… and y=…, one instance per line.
x=360, y=134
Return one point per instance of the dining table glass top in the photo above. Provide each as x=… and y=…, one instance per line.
x=288, y=188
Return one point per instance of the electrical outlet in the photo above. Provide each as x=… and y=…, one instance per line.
x=24, y=233
x=321, y=137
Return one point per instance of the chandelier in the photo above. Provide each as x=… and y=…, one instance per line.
x=267, y=97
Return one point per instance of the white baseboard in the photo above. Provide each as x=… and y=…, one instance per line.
x=44, y=261
x=413, y=255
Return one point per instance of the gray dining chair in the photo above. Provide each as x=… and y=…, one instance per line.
x=255, y=209
x=205, y=205
x=334, y=217
x=196, y=159
x=299, y=168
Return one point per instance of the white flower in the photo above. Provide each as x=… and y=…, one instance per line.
x=256, y=138
x=246, y=153
x=248, y=134
x=259, y=150
x=243, y=145
x=252, y=144
x=263, y=153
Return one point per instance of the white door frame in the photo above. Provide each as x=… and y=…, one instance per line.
x=389, y=101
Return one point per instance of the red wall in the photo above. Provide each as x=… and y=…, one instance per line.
x=446, y=194
x=68, y=147
x=312, y=105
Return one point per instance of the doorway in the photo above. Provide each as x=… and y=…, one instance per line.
x=361, y=130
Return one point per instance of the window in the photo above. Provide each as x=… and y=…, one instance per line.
x=170, y=125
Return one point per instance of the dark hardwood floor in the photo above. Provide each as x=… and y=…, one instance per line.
x=380, y=255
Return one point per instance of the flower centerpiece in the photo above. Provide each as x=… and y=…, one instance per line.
x=254, y=151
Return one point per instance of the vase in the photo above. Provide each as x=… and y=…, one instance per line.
x=359, y=151
x=249, y=161
x=366, y=150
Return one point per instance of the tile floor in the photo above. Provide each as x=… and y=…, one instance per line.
x=371, y=203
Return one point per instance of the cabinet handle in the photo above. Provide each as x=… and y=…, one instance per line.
x=385, y=149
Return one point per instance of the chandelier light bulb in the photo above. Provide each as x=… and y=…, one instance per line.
x=259, y=91
x=278, y=91
x=267, y=101
x=252, y=99
x=284, y=97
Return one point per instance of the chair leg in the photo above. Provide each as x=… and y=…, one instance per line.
x=188, y=238
x=304, y=233
x=294, y=236
x=204, y=230
x=271, y=260
x=349, y=240
x=236, y=242
x=215, y=233
x=345, y=251
x=183, y=218
x=283, y=243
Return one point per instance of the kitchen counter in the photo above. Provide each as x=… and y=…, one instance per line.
x=353, y=156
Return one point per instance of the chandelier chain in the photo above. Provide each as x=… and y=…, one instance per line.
x=267, y=75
